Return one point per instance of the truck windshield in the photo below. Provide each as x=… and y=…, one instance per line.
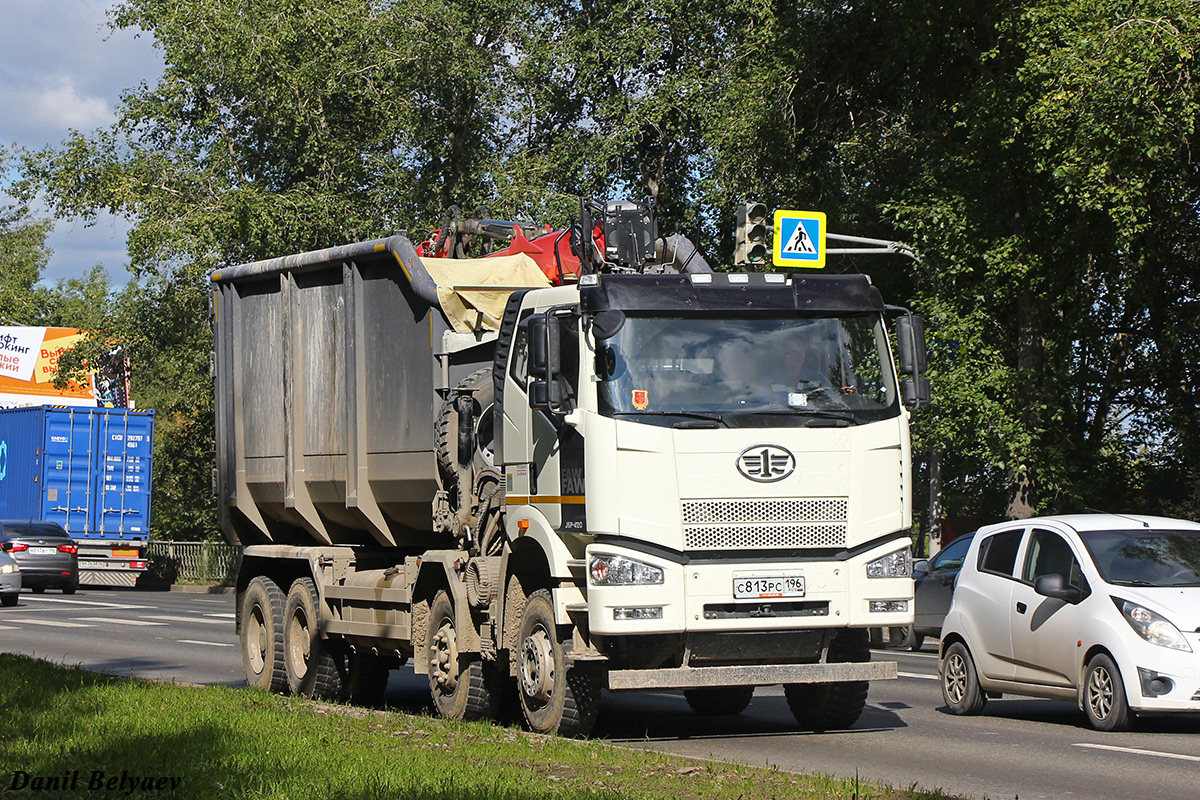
x=701, y=371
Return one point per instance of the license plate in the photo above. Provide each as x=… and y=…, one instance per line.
x=42, y=551
x=758, y=587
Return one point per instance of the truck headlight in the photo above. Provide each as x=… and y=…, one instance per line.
x=605, y=570
x=893, y=565
x=1154, y=628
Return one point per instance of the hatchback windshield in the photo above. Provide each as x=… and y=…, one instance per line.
x=748, y=372
x=1146, y=557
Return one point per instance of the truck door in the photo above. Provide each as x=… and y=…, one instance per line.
x=543, y=458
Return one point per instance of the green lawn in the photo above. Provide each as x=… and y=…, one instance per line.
x=65, y=732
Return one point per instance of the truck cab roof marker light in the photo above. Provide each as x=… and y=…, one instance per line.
x=739, y=278
x=701, y=277
x=775, y=277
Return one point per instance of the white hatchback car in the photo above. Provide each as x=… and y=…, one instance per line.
x=1103, y=609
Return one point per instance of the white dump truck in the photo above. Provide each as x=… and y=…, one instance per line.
x=583, y=461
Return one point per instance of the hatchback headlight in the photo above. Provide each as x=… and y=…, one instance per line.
x=1153, y=627
x=893, y=565
x=8, y=569
x=605, y=570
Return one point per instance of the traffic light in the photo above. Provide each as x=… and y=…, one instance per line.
x=751, y=247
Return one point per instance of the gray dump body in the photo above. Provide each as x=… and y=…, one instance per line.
x=328, y=366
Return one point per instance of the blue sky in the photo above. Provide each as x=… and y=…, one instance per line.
x=61, y=68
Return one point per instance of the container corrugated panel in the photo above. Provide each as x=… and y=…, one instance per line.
x=124, y=458
x=87, y=469
x=21, y=437
x=68, y=467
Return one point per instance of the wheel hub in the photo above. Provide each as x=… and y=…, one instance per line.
x=256, y=641
x=537, y=666
x=443, y=657
x=956, y=678
x=1100, y=693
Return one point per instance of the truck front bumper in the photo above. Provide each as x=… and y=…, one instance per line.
x=754, y=675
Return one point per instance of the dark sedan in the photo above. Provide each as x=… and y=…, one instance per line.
x=935, y=580
x=47, y=556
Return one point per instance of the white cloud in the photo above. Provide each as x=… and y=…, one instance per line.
x=63, y=69
x=59, y=106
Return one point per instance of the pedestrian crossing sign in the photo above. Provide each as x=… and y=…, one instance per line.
x=799, y=239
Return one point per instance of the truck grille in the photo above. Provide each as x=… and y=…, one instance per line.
x=764, y=524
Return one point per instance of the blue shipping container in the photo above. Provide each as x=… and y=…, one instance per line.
x=88, y=469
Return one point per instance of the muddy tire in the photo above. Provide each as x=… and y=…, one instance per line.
x=555, y=698
x=459, y=685
x=262, y=635
x=310, y=662
x=833, y=706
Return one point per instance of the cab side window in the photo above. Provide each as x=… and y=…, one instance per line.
x=998, y=553
x=1049, y=554
x=519, y=361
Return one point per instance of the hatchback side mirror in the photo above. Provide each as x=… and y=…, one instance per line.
x=1056, y=588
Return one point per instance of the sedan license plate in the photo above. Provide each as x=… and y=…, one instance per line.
x=42, y=551
x=758, y=587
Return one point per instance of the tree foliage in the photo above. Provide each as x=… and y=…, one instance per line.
x=1038, y=153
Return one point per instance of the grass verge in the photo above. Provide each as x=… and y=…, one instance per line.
x=66, y=733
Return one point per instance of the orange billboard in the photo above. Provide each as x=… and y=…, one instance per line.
x=29, y=364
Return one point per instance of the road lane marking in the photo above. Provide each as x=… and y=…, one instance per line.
x=917, y=675
x=209, y=644
x=222, y=616
x=96, y=603
x=51, y=622
x=117, y=621
x=1135, y=751
x=186, y=619
x=9, y=628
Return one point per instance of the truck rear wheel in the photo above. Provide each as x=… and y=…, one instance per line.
x=831, y=706
x=458, y=683
x=262, y=635
x=312, y=670
x=719, y=701
x=554, y=698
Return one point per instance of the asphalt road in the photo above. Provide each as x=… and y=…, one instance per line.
x=1018, y=748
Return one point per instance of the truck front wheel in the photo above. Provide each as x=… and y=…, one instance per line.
x=262, y=635
x=554, y=698
x=831, y=706
x=312, y=670
x=458, y=683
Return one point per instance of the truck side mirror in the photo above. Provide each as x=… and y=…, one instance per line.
x=910, y=344
x=914, y=392
x=545, y=363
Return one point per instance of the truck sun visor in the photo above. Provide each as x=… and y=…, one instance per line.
x=805, y=294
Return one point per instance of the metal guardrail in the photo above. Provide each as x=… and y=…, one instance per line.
x=194, y=562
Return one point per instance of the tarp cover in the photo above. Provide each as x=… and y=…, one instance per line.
x=462, y=287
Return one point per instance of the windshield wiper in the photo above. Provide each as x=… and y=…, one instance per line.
x=814, y=413
x=708, y=419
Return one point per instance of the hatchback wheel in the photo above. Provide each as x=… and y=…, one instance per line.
x=960, y=683
x=1104, y=696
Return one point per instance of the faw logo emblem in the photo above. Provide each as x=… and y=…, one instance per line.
x=766, y=463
